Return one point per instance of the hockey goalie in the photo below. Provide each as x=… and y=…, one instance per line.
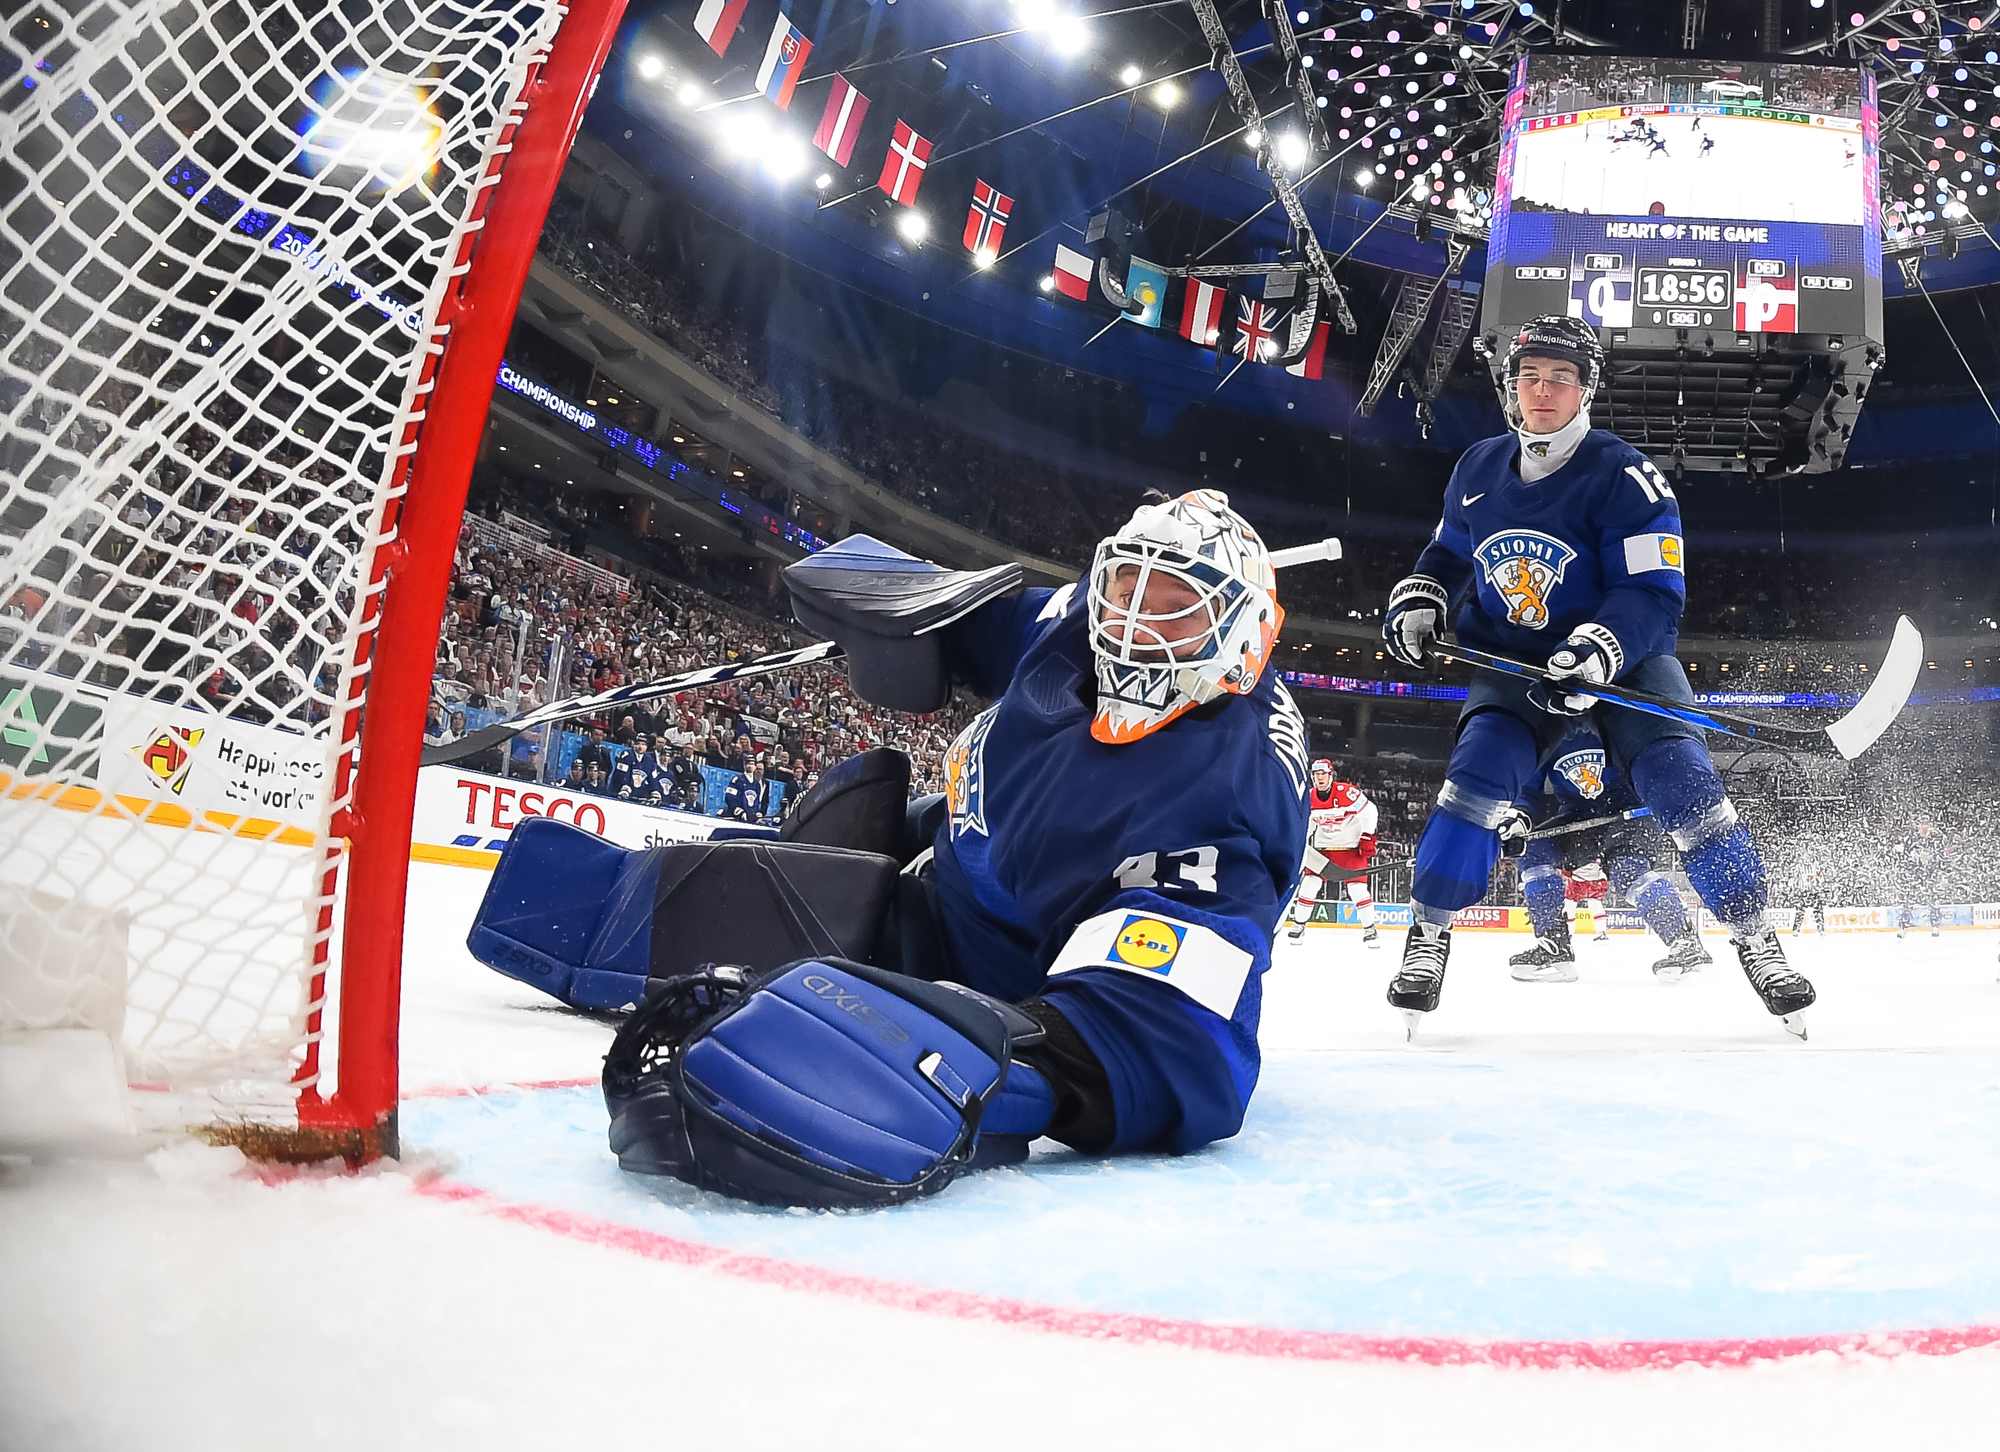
x=1340, y=842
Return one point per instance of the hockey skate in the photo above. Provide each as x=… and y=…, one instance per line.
x=1296, y=931
x=1370, y=937
x=1688, y=954
x=1419, y=982
x=1551, y=960
x=1783, y=988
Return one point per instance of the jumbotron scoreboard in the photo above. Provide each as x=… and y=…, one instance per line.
x=1674, y=202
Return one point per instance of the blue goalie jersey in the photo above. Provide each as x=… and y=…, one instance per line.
x=1135, y=888
x=1597, y=541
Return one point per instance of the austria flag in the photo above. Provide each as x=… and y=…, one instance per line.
x=903, y=167
x=784, y=62
x=717, y=20
x=840, y=122
x=1072, y=273
x=1313, y=365
x=1201, y=312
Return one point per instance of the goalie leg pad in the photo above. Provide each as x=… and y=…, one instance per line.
x=824, y=1084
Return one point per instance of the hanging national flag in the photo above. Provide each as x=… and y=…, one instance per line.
x=903, y=167
x=1201, y=312
x=784, y=62
x=1072, y=273
x=840, y=122
x=1257, y=327
x=1146, y=284
x=986, y=222
x=1314, y=362
x=717, y=20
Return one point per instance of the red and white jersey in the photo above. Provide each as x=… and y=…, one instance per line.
x=1339, y=818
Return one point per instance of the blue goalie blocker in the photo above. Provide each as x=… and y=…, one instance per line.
x=825, y=1083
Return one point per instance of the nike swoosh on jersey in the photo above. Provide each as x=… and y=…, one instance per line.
x=1466, y=501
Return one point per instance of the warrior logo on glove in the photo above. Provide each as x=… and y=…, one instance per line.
x=1525, y=566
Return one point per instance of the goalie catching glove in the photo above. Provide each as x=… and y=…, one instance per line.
x=825, y=1083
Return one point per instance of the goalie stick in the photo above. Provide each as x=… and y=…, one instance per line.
x=1851, y=735
x=823, y=652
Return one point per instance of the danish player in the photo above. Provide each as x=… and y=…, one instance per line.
x=1340, y=835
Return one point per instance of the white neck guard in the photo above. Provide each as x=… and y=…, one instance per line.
x=1543, y=454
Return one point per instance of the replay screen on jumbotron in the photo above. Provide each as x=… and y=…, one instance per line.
x=1638, y=192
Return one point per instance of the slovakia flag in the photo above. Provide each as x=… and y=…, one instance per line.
x=784, y=62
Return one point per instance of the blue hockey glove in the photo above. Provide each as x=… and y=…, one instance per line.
x=1414, y=617
x=825, y=1083
x=1590, y=655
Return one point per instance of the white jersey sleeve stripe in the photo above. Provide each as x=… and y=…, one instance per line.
x=1187, y=956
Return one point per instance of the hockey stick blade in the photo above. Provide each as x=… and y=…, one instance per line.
x=1885, y=698
x=501, y=732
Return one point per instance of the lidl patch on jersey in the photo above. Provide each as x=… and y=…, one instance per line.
x=1147, y=943
x=1583, y=770
x=1525, y=566
x=1190, y=958
x=1645, y=552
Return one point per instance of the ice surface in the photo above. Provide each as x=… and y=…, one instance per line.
x=1614, y=1160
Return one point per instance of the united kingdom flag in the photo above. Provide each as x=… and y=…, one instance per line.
x=1257, y=328
x=986, y=222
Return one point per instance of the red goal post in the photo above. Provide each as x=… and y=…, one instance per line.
x=231, y=518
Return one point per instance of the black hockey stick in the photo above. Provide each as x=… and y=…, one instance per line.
x=1586, y=824
x=1851, y=735
x=501, y=732
x=819, y=653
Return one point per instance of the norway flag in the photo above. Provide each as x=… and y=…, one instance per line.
x=784, y=62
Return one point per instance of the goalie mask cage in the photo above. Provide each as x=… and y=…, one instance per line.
x=258, y=261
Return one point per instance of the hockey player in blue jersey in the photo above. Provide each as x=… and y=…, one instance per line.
x=1120, y=833
x=1562, y=543
x=1584, y=784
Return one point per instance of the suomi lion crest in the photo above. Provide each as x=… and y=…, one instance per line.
x=1525, y=567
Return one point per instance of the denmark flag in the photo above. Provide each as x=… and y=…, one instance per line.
x=840, y=122
x=903, y=167
x=986, y=222
x=1767, y=296
x=1201, y=312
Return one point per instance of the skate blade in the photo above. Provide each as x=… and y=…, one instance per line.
x=1411, y=1018
x=1795, y=1024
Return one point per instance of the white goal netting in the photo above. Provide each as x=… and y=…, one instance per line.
x=227, y=228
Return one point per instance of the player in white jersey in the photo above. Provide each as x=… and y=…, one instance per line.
x=1340, y=840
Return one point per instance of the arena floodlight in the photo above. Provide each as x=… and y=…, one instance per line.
x=1131, y=75
x=1166, y=95
x=1068, y=35
x=912, y=227
x=1292, y=150
x=651, y=67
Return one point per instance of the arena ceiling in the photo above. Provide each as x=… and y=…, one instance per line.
x=1397, y=100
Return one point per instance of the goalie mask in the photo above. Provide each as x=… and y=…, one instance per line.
x=1183, y=610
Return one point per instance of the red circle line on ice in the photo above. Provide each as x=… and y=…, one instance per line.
x=1232, y=1340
